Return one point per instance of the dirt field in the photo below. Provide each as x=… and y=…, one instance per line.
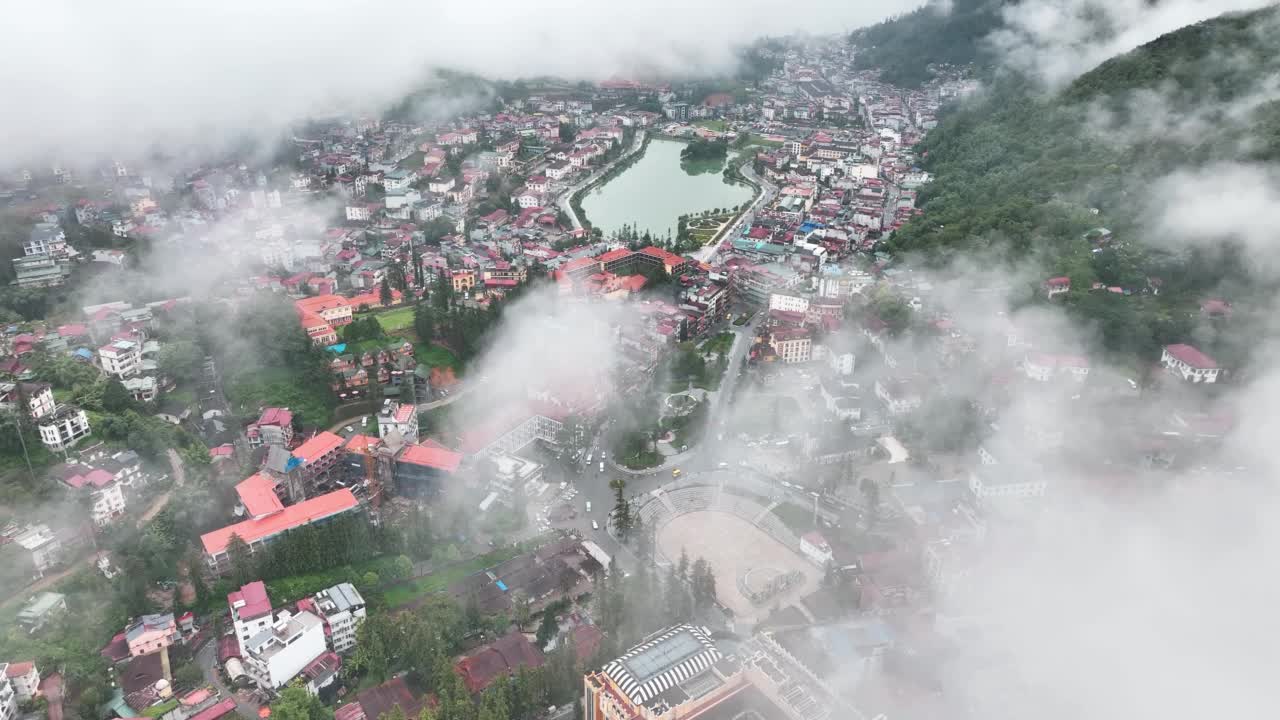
x=733, y=546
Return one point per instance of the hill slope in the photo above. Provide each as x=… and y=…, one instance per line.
x=904, y=47
x=1018, y=172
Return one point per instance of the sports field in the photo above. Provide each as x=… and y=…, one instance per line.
x=736, y=549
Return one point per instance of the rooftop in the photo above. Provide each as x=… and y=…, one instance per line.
x=651, y=667
x=254, y=599
x=317, y=447
x=293, y=516
x=258, y=494
x=433, y=457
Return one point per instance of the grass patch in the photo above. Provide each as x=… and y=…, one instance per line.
x=799, y=519
x=714, y=125
x=761, y=140
x=441, y=579
x=156, y=711
x=279, y=387
x=398, y=319
x=435, y=356
x=719, y=344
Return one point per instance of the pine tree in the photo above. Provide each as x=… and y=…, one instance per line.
x=384, y=292
x=240, y=557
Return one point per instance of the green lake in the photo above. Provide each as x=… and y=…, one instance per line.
x=653, y=193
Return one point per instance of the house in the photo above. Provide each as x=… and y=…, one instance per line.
x=343, y=609
x=1056, y=286
x=402, y=418
x=377, y=702
x=793, y=345
x=1188, y=363
x=25, y=679
x=504, y=656
x=814, y=547
x=899, y=395
x=36, y=399
x=106, y=495
x=1043, y=367
x=41, y=610
x=250, y=610
x=274, y=427
x=43, y=547
x=257, y=532
x=8, y=700
x=277, y=654
x=333, y=309
x=122, y=358
x=151, y=633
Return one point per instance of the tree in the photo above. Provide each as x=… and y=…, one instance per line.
x=547, y=629
x=384, y=292
x=403, y=566
x=621, y=507
x=295, y=703
x=522, y=607
x=180, y=360
x=115, y=398
x=567, y=132
x=241, y=559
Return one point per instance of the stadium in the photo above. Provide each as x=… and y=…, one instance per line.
x=728, y=520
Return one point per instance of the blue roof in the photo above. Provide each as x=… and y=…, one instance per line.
x=501, y=585
x=85, y=353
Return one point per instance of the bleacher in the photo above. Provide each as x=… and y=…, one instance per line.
x=747, y=499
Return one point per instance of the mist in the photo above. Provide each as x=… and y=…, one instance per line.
x=139, y=75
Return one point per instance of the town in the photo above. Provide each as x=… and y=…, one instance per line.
x=427, y=420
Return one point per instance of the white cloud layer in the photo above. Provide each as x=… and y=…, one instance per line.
x=87, y=77
x=1056, y=41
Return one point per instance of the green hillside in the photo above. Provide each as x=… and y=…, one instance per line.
x=1017, y=173
x=904, y=47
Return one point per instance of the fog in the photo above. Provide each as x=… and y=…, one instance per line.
x=125, y=77
x=1056, y=41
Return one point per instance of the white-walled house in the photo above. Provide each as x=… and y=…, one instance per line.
x=1188, y=363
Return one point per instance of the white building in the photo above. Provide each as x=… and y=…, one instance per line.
x=250, y=611
x=814, y=547
x=343, y=610
x=277, y=654
x=42, y=544
x=64, y=427
x=24, y=677
x=512, y=472
x=1188, y=363
x=8, y=700
x=788, y=303
x=994, y=479
x=898, y=396
x=122, y=358
x=841, y=361
x=399, y=417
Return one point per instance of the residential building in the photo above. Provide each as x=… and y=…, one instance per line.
x=40, y=271
x=1056, y=286
x=273, y=427
x=260, y=531
x=899, y=395
x=250, y=611
x=277, y=654
x=634, y=685
x=793, y=345
x=151, y=633
x=1188, y=363
x=1043, y=367
x=25, y=679
x=107, y=500
x=36, y=399
x=318, y=454
x=788, y=303
x=815, y=548
x=401, y=418
x=8, y=700
x=333, y=309
x=122, y=358
x=342, y=608
x=41, y=544
x=41, y=610
x=504, y=656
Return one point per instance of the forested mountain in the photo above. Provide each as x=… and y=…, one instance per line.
x=1020, y=173
x=904, y=47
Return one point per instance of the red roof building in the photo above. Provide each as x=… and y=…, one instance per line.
x=439, y=458
x=503, y=656
x=258, y=494
x=257, y=530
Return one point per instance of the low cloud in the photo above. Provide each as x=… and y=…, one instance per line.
x=96, y=79
x=1056, y=41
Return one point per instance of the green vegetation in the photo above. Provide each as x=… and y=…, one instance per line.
x=1025, y=176
x=713, y=125
x=699, y=150
x=905, y=47
x=435, y=356
x=448, y=575
x=397, y=319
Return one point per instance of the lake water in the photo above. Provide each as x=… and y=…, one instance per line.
x=653, y=193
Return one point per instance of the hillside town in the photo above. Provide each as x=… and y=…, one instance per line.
x=281, y=483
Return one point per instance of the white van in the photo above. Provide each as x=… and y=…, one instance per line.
x=595, y=525
x=588, y=506
x=601, y=466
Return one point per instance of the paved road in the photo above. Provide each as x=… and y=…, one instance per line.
x=179, y=478
x=563, y=202
x=767, y=192
x=207, y=657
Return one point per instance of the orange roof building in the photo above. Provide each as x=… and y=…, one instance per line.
x=258, y=531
